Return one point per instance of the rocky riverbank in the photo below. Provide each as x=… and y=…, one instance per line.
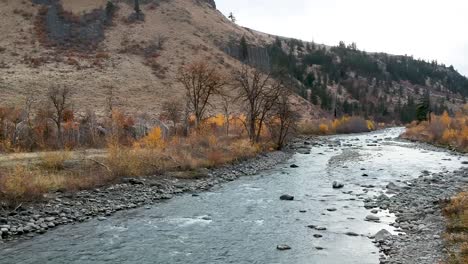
x=30, y=220
x=418, y=207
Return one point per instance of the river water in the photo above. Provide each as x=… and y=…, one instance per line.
x=243, y=221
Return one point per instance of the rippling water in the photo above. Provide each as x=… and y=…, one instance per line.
x=243, y=221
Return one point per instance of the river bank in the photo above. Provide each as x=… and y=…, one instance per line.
x=418, y=205
x=30, y=220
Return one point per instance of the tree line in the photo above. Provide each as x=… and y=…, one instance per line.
x=53, y=122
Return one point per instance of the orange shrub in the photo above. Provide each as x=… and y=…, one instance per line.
x=442, y=130
x=154, y=139
x=323, y=128
x=343, y=125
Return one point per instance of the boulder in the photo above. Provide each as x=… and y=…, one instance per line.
x=382, y=235
x=283, y=247
x=372, y=218
x=286, y=197
x=337, y=185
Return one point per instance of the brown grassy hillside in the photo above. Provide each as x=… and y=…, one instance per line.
x=189, y=30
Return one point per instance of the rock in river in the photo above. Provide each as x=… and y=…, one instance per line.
x=382, y=235
x=351, y=234
x=294, y=166
x=283, y=247
x=286, y=197
x=372, y=218
x=337, y=185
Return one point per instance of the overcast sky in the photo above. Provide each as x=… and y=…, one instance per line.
x=428, y=29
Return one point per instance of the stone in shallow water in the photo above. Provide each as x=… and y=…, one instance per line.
x=317, y=235
x=382, y=235
x=283, y=247
x=372, y=218
x=286, y=197
x=294, y=166
x=337, y=185
x=331, y=209
x=351, y=234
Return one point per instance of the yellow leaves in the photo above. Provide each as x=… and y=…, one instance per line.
x=323, y=128
x=218, y=120
x=449, y=136
x=370, y=125
x=154, y=140
x=343, y=125
x=445, y=119
x=444, y=130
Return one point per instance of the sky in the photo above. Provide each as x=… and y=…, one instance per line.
x=426, y=29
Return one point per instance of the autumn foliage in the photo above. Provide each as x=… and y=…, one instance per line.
x=343, y=125
x=456, y=235
x=445, y=130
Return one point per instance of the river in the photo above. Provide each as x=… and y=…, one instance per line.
x=244, y=221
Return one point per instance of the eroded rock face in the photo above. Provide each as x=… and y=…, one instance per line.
x=211, y=2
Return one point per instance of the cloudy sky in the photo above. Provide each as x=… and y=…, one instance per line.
x=428, y=29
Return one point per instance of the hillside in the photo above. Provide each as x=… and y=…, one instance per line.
x=382, y=86
x=84, y=45
x=139, y=59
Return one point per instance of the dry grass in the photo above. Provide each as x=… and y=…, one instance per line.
x=25, y=183
x=54, y=160
x=442, y=130
x=457, y=228
x=25, y=179
x=344, y=125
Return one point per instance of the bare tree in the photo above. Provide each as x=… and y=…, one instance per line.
x=259, y=92
x=60, y=98
x=283, y=120
x=226, y=104
x=201, y=82
x=110, y=99
x=172, y=111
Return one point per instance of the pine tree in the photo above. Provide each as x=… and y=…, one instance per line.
x=423, y=109
x=244, y=49
x=232, y=17
x=137, y=7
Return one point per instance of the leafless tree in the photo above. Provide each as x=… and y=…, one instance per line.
x=172, y=111
x=283, y=120
x=60, y=98
x=226, y=105
x=110, y=99
x=259, y=92
x=201, y=83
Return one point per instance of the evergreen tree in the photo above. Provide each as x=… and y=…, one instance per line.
x=137, y=7
x=244, y=49
x=110, y=8
x=232, y=17
x=423, y=109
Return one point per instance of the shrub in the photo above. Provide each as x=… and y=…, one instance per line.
x=323, y=128
x=442, y=130
x=456, y=212
x=54, y=160
x=344, y=125
x=153, y=140
x=21, y=184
